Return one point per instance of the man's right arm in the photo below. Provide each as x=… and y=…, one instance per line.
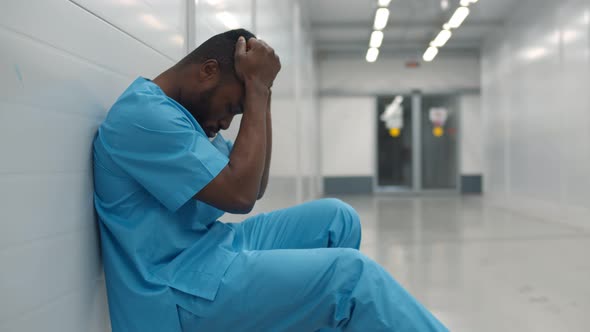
x=236, y=187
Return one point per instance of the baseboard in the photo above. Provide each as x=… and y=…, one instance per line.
x=471, y=184
x=338, y=185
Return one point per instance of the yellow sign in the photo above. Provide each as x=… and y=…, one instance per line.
x=438, y=131
x=394, y=132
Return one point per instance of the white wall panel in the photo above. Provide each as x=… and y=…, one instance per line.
x=389, y=75
x=42, y=148
x=61, y=68
x=79, y=310
x=348, y=136
x=535, y=103
x=81, y=34
x=161, y=24
x=62, y=261
x=216, y=16
x=471, y=135
x=36, y=206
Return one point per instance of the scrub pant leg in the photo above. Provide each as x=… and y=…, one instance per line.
x=324, y=223
x=278, y=282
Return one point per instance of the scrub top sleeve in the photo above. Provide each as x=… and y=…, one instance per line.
x=165, y=154
x=223, y=145
x=230, y=145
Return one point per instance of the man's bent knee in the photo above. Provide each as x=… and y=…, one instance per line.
x=347, y=220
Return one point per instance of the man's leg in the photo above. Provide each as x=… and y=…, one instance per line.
x=305, y=291
x=324, y=223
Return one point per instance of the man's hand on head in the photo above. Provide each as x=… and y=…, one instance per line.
x=256, y=62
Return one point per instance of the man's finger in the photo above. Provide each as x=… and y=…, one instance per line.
x=252, y=42
x=241, y=46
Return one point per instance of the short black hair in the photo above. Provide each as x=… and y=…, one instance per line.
x=221, y=47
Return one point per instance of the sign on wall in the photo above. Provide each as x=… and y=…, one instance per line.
x=438, y=117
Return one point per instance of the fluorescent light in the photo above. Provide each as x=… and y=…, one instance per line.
x=381, y=18
x=372, y=54
x=228, y=20
x=430, y=54
x=384, y=3
x=376, y=39
x=446, y=26
x=442, y=38
x=458, y=17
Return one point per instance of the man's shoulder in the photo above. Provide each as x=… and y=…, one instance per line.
x=140, y=108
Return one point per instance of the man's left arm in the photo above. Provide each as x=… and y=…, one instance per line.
x=264, y=180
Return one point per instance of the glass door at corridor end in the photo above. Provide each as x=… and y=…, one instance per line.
x=417, y=143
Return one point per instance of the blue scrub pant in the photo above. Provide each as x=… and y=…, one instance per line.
x=299, y=269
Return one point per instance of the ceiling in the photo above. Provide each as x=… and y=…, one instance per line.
x=343, y=27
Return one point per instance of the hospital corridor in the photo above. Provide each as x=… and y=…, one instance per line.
x=294, y=165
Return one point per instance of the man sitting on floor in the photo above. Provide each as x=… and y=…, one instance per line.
x=164, y=176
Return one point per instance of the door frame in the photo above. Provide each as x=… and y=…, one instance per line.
x=416, y=124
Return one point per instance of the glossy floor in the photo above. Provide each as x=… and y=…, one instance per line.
x=479, y=268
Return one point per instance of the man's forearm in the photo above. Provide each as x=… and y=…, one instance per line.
x=264, y=180
x=249, y=152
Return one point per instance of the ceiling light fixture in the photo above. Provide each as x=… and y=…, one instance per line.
x=442, y=38
x=430, y=54
x=458, y=17
x=372, y=54
x=381, y=18
x=445, y=34
x=376, y=39
x=384, y=3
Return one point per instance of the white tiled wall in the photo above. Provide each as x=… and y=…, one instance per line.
x=535, y=85
x=160, y=24
x=348, y=136
x=61, y=67
x=471, y=137
x=389, y=75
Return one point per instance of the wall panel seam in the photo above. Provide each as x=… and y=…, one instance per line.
x=120, y=29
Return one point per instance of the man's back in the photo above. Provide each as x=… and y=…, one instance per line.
x=150, y=157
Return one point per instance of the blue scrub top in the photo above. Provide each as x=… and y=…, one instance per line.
x=160, y=246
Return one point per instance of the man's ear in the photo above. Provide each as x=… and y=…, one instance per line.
x=209, y=71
